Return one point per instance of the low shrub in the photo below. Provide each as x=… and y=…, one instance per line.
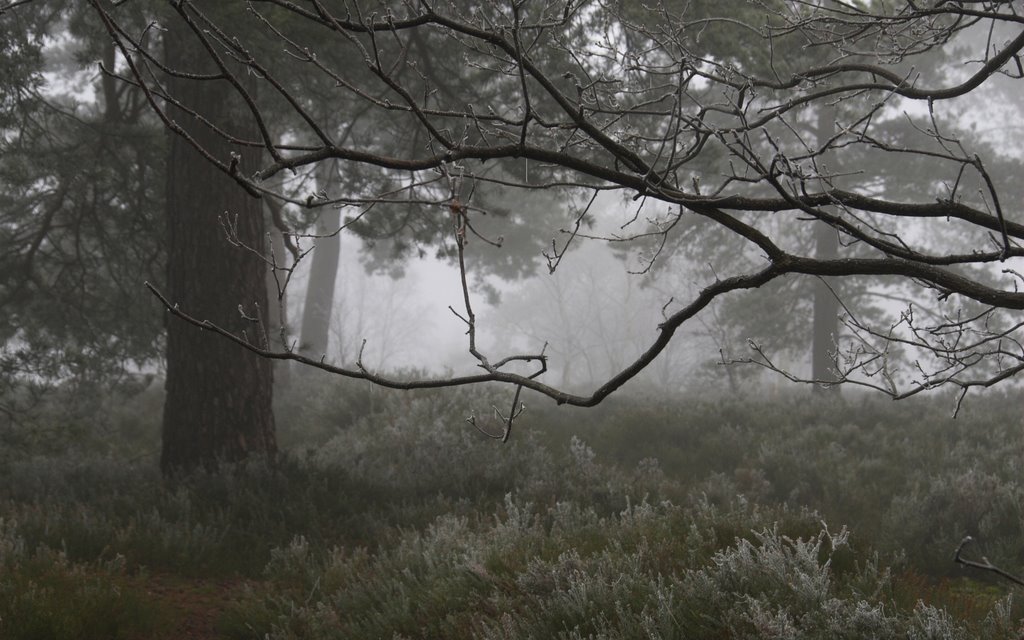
x=683, y=518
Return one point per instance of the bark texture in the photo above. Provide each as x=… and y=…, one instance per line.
x=218, y=406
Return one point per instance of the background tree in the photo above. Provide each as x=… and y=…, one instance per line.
x=323, y=274
x=79, y=213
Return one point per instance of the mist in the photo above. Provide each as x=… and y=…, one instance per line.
x=509, y=320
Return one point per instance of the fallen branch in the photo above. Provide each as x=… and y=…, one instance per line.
x=984, y=564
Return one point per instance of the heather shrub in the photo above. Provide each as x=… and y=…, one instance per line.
x=44, y=595
x=906, y=476
x=673, y=519
x=651, y=571
x=421, y=446
x=945, y=507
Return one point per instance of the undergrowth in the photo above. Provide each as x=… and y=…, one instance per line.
x=391, y=516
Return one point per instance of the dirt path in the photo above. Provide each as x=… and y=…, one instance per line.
x=192, y=606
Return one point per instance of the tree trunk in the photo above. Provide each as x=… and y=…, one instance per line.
x=218, y=406
x=277, y=308
x=826, y=313
x=323, y=273
x=826, y=247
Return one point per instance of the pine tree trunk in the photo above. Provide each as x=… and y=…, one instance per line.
x=826, y=313
x=218, y=406
x=323, y=273
x=826, y=247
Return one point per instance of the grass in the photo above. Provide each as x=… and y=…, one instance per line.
x=757, y=518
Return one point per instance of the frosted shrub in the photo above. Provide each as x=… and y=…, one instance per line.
x=612, y=593
x=936, y=514
x=12, y=545
x=411, y=524
x=417, y=452
x=518, y=519
x=930, y=623
x=774, y=566
x=292, y=562
x=1001, y=623
x=774, y=586
x=420, y=580
x=565, y=571
x=586, y=595
x=582, y=456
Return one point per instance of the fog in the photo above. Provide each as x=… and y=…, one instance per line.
x=595, y=313
x=511, y=320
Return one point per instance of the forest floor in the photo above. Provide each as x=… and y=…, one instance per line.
x=700, y=519
x=190, y=607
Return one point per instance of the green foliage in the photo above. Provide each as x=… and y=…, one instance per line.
x=80, y=209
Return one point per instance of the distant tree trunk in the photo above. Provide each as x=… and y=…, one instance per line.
x=826, y=305
x=277, y=308
x=323, y=273
x=111, y=105
x=826, y=313
x=218, y=405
